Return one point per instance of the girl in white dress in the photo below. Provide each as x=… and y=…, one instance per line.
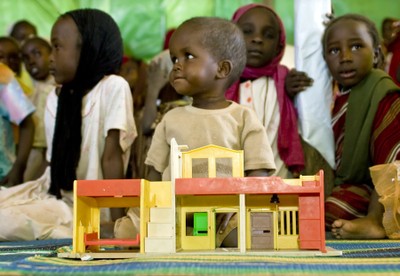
x=89, y=126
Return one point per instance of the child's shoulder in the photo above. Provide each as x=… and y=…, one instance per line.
x=112, y=83
x=111, y=80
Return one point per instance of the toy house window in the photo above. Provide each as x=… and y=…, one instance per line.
x=200, y=167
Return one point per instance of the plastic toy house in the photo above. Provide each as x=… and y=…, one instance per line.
x=92, y=195
x=270, y=214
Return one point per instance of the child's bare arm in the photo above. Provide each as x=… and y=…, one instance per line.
x=112, y=164
x=26, y=132
x=111, y=161
x=296, y=81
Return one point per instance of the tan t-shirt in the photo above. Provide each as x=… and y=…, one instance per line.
x=236, y=127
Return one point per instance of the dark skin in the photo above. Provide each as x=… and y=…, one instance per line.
x=22, y=30
x=26, y=132
x=350, y=54
x=261, y=32
x=35, y=55
x=10, y=54
x=196, y=73
x=64, y=59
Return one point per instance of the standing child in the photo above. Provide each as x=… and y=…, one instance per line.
x=92, y=118
x=15, y=108
x=262, y=85
x=36, y=57
x=366, y=123
x=208, y=55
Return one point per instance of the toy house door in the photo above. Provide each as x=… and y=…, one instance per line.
x=262, y=230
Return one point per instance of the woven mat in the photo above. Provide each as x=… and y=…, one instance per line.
x=359, y=258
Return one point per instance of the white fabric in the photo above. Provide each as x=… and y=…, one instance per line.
x=288, y=57
x=108, y=106
x=27, y=211
x=314, y=104
x=260, y=95
x=20, y=204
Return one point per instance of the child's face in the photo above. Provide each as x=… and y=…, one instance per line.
x=261, y=32
x=36, y=58
x=23, y=32
x=349, y=52
x=194, y=70
x=130, y=72
x=65, y=42
x=10, y=55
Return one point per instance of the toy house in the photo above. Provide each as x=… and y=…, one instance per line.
x=269, y=214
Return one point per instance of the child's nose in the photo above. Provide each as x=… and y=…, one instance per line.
x=345, y=55
x=177, y=66
x=256, y=39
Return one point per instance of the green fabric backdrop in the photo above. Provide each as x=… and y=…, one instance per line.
x=143, y=22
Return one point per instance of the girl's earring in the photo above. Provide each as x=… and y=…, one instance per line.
x=377, y=53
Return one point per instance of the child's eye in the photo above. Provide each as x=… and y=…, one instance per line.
x=356, y=47
x=269, y=34
x=247, y=30
x=189, y=56
x=37, y=53
x=174, y=60
x=333, y=51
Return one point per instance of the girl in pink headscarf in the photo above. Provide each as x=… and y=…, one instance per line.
x=265, y=85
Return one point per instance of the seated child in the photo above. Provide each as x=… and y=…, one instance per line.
x=36, y=57
x=208, y=55
x=15, y=108
x=265, y=85
x=365, y=122
x=89, y=127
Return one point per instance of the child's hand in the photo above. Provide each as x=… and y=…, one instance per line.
x=14, y=177
x=297, y=81
x=158, y=76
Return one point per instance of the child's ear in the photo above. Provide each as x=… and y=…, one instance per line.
x=224, y=69
x=377, y=53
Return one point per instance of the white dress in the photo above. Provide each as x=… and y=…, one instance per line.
x=27, y=211
x=261, y=96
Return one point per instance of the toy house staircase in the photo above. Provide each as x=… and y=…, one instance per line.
x=160, y=231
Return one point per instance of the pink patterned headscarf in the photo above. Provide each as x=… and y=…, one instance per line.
x=289, y=145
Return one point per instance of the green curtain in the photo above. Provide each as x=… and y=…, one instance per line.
x=143, y=23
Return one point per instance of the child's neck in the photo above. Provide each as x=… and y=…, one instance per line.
x=211, y=103
x=43, y=79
